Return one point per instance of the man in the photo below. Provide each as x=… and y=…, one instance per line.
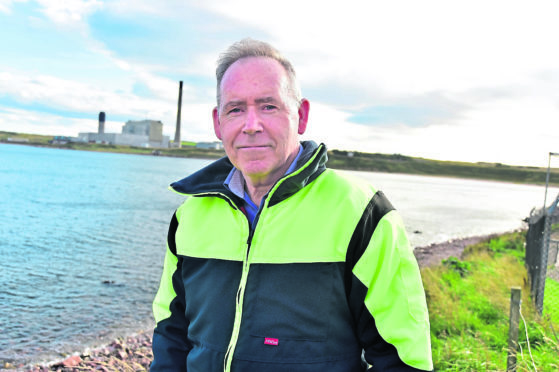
x=276, y=263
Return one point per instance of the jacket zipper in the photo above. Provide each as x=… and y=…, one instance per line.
x=239, y=299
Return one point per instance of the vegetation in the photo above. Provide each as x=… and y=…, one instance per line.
x=469, y=306
x=394, y=163
x=397, y=163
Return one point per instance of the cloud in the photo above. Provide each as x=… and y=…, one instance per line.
x=27, y=121
x=78, y=98
x=71, y=13
x=507, y=131
x=6, y=5
x=402, y=47
x=69, y=95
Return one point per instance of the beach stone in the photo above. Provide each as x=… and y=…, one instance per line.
x=72, y=361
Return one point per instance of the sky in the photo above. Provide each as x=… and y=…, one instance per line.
x=474, y=81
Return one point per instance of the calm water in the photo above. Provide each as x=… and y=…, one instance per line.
x=82, y=237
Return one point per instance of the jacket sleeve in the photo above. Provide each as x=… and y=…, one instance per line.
x=386, y=294
x=170, y=341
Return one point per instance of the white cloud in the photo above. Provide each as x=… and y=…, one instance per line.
x=507, y=131
x=409, y=47
x=6, y=5
x=71, y=95
x=25, y=121
x=71, y=13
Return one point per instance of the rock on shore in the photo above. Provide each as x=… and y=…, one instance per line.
x=129, y=354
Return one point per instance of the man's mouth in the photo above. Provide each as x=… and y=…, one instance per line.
x=253, y=147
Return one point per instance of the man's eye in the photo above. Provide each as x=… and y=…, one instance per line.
x=269, y=107
x=234, y=110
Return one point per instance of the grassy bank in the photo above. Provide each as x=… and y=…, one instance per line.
x=469, y=303
x=394, y=163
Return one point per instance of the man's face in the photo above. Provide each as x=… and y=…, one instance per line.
x=258, y=120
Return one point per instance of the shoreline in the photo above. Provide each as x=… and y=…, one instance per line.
x=133, y=352
x=376, y=163
x=130, y=353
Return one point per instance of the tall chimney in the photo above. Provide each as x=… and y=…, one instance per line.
x=101, y=129
x=178, y=130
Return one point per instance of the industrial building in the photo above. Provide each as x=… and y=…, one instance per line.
x=142, y=133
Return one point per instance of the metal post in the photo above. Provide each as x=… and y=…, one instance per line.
x=543, y=262
x=547, y=176
x=515, y=297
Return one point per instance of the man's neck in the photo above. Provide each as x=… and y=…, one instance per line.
x=257, y=188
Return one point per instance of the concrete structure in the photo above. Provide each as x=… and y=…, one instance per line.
x=143, y=133
x=101, y=129
x=178, y=142
x=210, y=145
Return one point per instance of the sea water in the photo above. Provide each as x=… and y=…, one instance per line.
x=82, y=238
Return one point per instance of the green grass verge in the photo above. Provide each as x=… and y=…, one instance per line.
x=469, y=303
x=551, y=299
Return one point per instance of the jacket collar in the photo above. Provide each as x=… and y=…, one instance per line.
x=209, y=180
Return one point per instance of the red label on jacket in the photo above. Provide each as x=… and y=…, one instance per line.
x=271, y=341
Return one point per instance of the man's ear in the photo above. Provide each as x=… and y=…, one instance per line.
x=217, y=129
x=303, y=111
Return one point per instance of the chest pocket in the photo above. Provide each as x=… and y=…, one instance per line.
x=290, y=301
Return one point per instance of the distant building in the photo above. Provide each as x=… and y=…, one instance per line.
x=62, y=140
x=210, y=145
x=17, y=139
x=143, y=133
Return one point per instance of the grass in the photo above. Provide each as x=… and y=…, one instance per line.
x=469, y=303
x=397, y=163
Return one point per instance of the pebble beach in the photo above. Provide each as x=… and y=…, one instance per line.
x=128, y=354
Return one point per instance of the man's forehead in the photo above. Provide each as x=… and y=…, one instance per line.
x=257, y=100
x=256, y=70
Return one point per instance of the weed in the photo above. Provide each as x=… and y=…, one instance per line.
x=469, y=305
x=462, y=268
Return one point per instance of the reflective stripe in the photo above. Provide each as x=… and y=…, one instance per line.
x=166, y=292
x=390, y=272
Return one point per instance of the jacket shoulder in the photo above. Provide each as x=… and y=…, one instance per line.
x=344, y=184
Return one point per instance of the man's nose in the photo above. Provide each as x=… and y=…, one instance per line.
x=252, y=122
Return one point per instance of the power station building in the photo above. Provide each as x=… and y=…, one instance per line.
x=142, y=133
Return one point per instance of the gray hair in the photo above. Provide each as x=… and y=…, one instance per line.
x=254, y=48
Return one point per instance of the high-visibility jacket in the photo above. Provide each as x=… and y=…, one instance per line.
x=324, y=279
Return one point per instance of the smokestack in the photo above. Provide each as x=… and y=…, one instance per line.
x=101, y=123
x=178, y=130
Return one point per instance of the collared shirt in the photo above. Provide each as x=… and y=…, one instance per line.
x=236, y=183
